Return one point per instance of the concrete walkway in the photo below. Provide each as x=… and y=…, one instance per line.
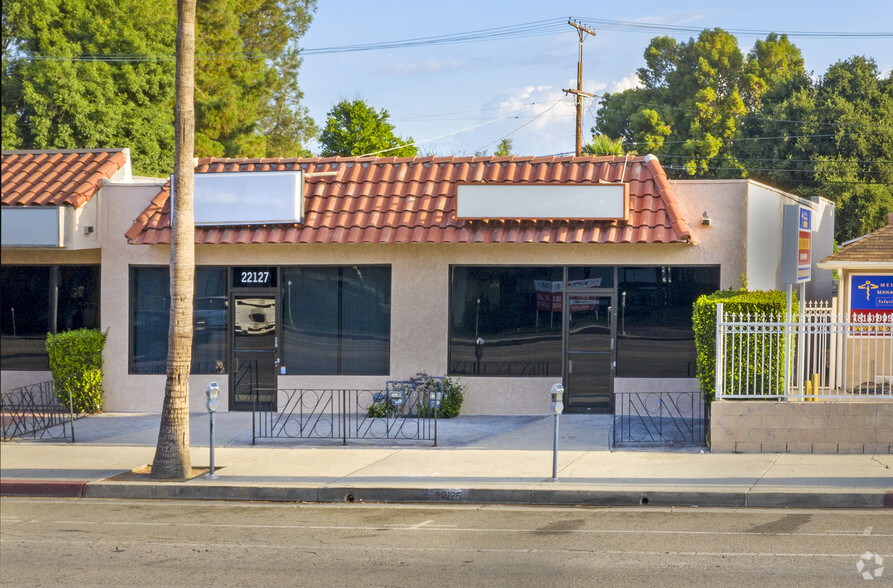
x=477, y=460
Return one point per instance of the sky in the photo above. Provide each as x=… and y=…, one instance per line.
x=462, y=98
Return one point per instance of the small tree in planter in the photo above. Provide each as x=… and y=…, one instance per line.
x=76, y=363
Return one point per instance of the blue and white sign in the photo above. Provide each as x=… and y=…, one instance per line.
x=871, y=294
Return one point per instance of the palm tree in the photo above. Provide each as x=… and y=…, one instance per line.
x=172, y=459
x=604, y=145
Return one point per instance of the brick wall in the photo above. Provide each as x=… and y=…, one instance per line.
x=765, y=426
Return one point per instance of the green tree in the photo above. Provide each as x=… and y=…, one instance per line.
x=353, y=128
x=831, y=138
x=85, y=74
x=59, y=93
x=248, y=103
x=693, y=96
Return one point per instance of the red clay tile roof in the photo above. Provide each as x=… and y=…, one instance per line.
x=57, y=177
x=874, y=247
x=413, y=200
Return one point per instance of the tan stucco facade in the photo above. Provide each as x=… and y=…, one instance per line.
x=419, y=289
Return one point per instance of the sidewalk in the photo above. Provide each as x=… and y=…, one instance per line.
x=504, y=460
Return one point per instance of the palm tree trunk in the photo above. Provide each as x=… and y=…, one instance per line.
x=172, y=459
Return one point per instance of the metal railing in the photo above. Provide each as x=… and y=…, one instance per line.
x=817, y=355
x=399, y=412
x=642, y=418
x=35, y=412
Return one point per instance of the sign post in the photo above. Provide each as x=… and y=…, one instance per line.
x=796, y=268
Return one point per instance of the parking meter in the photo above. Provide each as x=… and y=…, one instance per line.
x=213, y=393
x=557, y=408
x=557, y=398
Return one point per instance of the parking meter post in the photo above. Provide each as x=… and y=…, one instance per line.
x=213, y=393
x=557, y=408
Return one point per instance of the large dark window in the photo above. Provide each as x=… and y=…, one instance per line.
x=336, y=320
x=150, y=315
x=505, y=321
x=654, y=330
x=38, y=299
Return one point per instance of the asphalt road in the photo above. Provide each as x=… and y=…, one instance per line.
x=162, y=543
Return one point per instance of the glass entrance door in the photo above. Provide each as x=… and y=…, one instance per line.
x=255, y=353
x=589, y=357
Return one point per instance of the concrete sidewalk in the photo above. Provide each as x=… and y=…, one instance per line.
x=477, y=460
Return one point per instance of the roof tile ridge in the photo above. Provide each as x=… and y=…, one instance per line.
x=668, y=195
x=156, y=205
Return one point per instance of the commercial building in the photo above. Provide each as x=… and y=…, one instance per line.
x=511, y=273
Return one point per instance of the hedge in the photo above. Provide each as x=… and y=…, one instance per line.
x=771, y=303
x=76, y=363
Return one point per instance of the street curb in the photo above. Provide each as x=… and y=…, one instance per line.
x=516, y=496
x=837, y=499
x=43, y=488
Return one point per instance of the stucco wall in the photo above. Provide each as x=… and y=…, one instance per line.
x=419, y=310
x=420, y=286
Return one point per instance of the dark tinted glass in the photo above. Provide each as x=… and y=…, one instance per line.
x=150, y=315
x=597, y=276
x=654, y=329
x=336, y=320
x=29, y=311
x=505, y=321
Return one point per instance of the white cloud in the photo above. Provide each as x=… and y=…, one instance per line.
x=627, y=83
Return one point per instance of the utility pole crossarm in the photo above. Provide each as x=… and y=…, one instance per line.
x=581, y=28
x=582, y=31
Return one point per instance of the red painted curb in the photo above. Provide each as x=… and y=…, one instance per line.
x=888, y=499
x=41, y=488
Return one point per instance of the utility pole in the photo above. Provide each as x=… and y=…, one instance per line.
x=582, y=31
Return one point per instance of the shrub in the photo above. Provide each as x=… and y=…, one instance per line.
x=756, y=303
x=76, y=363
x=450, y=403
x=418, y=393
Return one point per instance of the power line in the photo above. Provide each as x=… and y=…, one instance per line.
x=861, y=161
x=450, y=133
x=646, y=27
x=758, y=138
x=524, y=30
x=554, y=104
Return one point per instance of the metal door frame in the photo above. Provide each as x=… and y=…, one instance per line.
x=231, y=343
x=565, y=331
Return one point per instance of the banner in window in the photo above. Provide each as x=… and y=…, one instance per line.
x=549, y=294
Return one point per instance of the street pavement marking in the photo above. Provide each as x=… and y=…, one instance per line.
x=320, y=547
x=427, y=526
x=420, y=525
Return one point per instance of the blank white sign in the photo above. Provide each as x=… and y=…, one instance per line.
x=248, y=198
x=543, y=201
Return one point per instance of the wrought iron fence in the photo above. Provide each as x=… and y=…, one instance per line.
x=816, y=355
x=35, y=412
x=402, y=411
x=643, y=418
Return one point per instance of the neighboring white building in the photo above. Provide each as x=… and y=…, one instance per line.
x=509, y=272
